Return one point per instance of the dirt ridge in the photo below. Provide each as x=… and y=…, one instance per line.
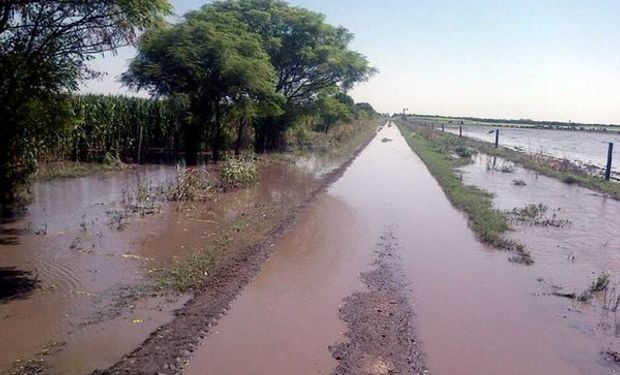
x=381, y=336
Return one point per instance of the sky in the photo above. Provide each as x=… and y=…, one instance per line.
x=534, y=59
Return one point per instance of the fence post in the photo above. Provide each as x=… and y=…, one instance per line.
x=496, y=138
x=609, y=156
x=460, y=130
x=442, y=128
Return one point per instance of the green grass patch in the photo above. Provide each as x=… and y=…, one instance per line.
x=486, y=221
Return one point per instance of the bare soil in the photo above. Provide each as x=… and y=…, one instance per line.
x=169, y=348
x=380, y=319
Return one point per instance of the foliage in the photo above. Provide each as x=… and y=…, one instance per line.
x=238, y=171
x=44, y=47
x=332, y=110
x=309, y=57
x=191, y=184
x=213, y=60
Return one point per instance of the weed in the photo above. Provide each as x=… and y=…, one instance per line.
x=584, y=296
x=189, y=185
x=238, y=171
x=144, y=200
x=535, y=214
x=600, y=283
x=463, y=151
x=569, y=180
x=504, y=167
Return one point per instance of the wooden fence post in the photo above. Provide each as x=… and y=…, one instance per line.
x=610, y=150
x=496, y=138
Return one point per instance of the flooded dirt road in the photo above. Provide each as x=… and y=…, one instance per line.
x=71, y=276
x=475, y=312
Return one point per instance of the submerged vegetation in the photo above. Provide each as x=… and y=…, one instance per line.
x=238, y=171
x=600, y=284
x=486, y=221
x=537, y=214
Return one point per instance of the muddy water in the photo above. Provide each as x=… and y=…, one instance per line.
x=66, y=270
x=583, y=147
x=570, y=257
x=476, y=312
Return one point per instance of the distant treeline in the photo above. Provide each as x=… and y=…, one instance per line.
x=512, y=121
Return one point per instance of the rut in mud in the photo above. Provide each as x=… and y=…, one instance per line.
x=380, y=322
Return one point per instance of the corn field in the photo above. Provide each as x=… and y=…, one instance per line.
x=107, y=128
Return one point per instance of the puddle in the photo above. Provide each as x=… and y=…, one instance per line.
x=476, y=313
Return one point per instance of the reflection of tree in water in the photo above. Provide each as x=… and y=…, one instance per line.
x=9, y=236
x=16, y=283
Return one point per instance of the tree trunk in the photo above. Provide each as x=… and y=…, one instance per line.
x=239, y=136
x=216, y=146
x=192, y=140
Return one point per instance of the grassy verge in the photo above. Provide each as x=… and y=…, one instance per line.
x=561, y=169
x=442, y=155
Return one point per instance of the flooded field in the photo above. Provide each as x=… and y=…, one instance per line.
x=476, y=313
x=71, y=273
x=585, y=148
x=570, y=257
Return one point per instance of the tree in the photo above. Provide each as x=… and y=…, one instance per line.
x=332, y=110
x=212, y=59
x=365, y=110
x=44, y=50
x=309, y=56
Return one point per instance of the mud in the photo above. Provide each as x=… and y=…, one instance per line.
x=169, y=348
x=381, y=335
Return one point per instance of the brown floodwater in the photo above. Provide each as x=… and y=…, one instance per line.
x=477, y=313
x=67, y=272
x=570, y=257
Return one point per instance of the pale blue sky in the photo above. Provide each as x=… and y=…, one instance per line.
x=557, y=60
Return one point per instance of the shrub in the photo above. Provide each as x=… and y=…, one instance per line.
x=238, y=171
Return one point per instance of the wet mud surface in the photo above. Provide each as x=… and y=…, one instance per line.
x=381, y=335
